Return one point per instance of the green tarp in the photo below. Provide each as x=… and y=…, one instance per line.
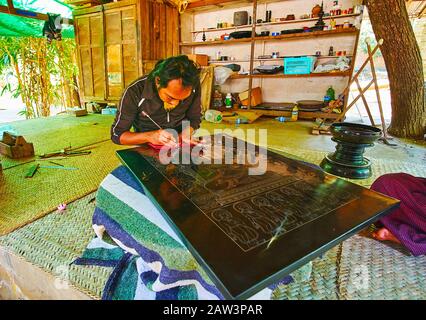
x=16, y=26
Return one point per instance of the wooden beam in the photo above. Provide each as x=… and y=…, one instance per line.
x=203, y=3
x=422, y=11
x=252, y=45
x=10, y=4
x=25, y=13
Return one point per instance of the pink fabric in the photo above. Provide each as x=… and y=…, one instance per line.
x=408, y=222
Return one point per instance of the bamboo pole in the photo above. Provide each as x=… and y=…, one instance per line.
x=376, y=85
x=364, y=100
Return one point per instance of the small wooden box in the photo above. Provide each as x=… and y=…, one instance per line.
x=256, y=97
x=201, y=59
x=78, y=112
x=15, y=147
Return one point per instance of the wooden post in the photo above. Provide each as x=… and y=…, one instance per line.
x=340, y=117
x=376, y=85
x=252, y=43
x=364, y=101
x=355, y=78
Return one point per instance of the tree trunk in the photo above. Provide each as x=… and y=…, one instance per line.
x=390, y=22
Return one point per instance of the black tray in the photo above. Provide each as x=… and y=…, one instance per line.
x=250, y=231
x=290, y=31
x=240, y=34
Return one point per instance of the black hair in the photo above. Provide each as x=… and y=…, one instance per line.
x=178, y=67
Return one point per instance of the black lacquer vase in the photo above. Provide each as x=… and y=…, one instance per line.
x=348, y=160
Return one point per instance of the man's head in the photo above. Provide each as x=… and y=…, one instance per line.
x=175, y=78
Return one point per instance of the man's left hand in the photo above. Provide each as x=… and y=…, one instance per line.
x=185, y=137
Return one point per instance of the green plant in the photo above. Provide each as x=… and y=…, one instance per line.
x=43, y=75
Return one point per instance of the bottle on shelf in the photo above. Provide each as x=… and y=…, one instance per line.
x=228, y=100
x=333, y=24
x=295, y=113
x=331, y=93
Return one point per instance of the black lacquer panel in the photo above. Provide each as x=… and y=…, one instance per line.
x=249, y=231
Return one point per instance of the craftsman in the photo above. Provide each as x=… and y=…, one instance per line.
x=164, y=99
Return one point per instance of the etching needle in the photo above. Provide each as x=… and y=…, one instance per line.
x=147, y=115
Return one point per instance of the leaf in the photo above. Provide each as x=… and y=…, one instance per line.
x=16, y=94
x=22, y=113
x=5, y=89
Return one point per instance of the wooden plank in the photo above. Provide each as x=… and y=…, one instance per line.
x=252, y=44
x=177, y=28
x=163, y=30
x=277, y=23
x=302, y=35
x=175, y=31
x=81, y=2
x=139, y=47
x=121, y=52
x=156, y=31
x=203, y=3
x=145, y=32
x=104, y=7
x=27, y=14
x=301, y=115
x=169, y=32
x=281, y=75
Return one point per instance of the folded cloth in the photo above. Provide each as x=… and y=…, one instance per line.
x=408, y=222
x=149, y=259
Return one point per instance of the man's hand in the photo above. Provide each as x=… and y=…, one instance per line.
x=162, y=137
x=186, y=137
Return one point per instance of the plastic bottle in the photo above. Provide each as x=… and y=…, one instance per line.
x=331, y=93
x=294, y=113
x=228, y=100
x=213, y=116
x=280, y=119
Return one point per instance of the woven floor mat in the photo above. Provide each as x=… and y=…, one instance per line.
x=55, y=133
x=321, y=284
x=370, y=269
x=53, y=242
x=379, y=166
x=24, y=200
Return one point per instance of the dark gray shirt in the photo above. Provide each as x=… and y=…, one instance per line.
x=142, y=95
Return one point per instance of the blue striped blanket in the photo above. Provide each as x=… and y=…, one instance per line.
x=149, y=260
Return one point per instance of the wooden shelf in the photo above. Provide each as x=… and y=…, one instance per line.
x=275, y=23
x=275, y=59
x=302, y=35
x=214, y=5
x=281, y=75
x=281, y=113
x=301, y=114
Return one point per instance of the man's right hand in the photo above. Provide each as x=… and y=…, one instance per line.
x=162, y=137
